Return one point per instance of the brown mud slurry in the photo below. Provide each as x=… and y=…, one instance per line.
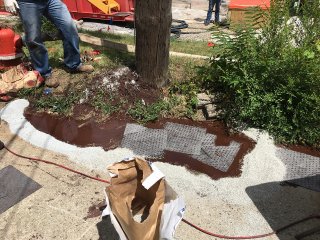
x=108, y=134
x=95, y=210
x=79, y=132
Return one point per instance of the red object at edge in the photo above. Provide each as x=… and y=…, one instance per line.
x=10, y=43
x=242, y=4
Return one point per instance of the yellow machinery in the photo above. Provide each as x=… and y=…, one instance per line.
x=106, y=5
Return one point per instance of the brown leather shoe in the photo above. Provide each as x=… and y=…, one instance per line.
x=85, y=68
x=51, y=81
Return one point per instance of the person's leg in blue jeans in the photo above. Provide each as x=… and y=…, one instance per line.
x=56, y=11
x=213, y=3
x=31, y=13
x=217, y=11
x=59, y=15
x=209, y=14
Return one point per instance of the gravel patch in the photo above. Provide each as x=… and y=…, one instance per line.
x=253, y=203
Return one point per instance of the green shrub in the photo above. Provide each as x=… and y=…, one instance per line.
x=106, y=102
x=270, y=78
x=60, y=104
x=143, y=113
x=189, y=90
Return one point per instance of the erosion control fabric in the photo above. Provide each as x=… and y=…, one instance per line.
x=180, y=138
x=14, y=187
x=144, y=141
x=302, y=169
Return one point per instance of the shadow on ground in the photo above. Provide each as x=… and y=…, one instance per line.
x=199, y=19
x=106, y=230
x=281, y=204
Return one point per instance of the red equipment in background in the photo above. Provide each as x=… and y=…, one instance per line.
x=11, y=48
x=239, y=9
x=114, y=10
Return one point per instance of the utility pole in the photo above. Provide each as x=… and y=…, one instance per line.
x=153, y=22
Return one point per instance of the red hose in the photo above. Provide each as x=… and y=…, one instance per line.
x=184, y=220
x=251, y=237
x=58, y=165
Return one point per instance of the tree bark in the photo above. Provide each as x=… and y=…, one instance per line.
x=153, y=22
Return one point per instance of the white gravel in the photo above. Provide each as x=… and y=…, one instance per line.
x=223, y=205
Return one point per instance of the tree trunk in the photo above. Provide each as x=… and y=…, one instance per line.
x=153, y=22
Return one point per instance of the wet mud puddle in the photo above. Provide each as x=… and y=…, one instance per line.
x=109, y=134
x=95, y=210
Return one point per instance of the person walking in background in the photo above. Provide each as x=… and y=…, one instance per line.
x=31, y=12
x=216, y=4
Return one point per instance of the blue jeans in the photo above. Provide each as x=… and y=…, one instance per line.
x=213, y=3
x=56, y=11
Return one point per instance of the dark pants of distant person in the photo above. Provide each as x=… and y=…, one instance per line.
x=213, y=3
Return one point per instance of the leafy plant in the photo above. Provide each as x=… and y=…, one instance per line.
x=189, y=90
x=29, y=92
x=60, y=104
x=144, y=113
x=270, y=78
x=104, y=101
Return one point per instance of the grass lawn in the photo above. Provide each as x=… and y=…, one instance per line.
x=180, y=69
x=176, y=44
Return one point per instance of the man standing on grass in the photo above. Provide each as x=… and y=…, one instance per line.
x=31, y=12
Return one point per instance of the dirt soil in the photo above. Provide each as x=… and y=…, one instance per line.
x=126, y=85
x=118, y=89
